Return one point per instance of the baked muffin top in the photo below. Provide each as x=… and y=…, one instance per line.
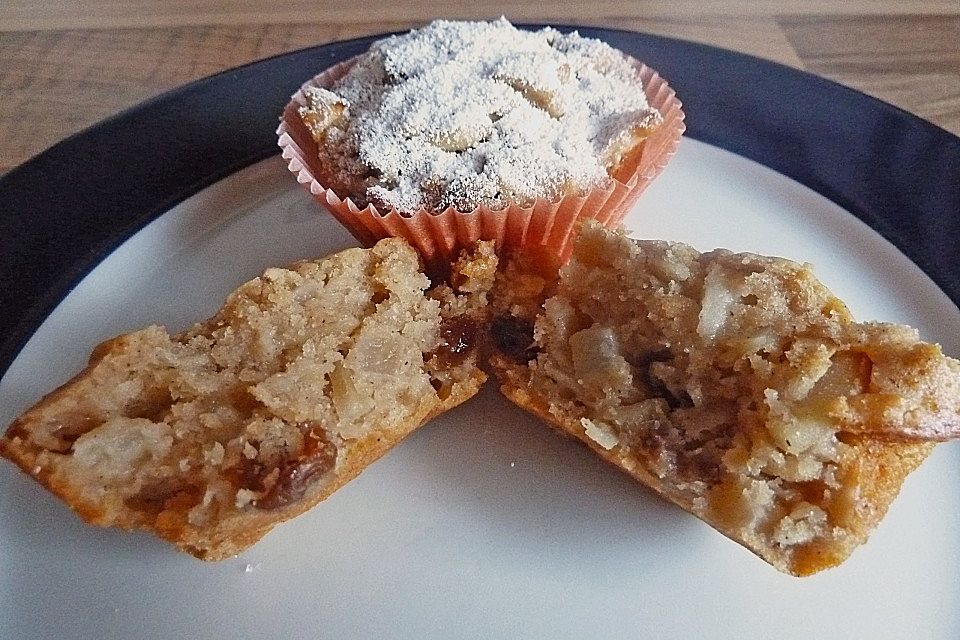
x=463, y=114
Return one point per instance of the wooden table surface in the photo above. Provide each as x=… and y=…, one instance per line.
x=67, y=64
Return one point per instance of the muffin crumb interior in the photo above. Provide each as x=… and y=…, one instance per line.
x=735, y=385
x=306, y=375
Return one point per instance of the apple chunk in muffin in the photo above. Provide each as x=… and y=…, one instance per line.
x=735, y=385
x=306, y=375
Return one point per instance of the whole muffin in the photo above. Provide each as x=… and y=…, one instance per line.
x=481, y=118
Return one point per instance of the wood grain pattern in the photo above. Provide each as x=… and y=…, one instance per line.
x=910, y=61
x=63, y=69
x=919, y=43
x=38, y=14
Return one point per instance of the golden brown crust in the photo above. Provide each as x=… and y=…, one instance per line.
x=879, y=469
x=306, y=376
x=226, y=541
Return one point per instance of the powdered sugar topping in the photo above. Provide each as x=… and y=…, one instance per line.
x=459, y=114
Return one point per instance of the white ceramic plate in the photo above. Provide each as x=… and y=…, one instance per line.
x=484, y=524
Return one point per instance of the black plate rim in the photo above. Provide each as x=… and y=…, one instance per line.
x=738, y=102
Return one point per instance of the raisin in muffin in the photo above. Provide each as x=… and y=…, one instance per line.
x=736, y=386
x=305, y=376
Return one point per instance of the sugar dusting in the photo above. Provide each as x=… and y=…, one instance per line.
x=468, y=113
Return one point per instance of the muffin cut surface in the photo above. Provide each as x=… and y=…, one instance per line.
x=305, y=376
x=734, y=385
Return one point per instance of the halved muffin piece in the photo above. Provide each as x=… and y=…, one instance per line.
x=736, y=386
x=306, y=375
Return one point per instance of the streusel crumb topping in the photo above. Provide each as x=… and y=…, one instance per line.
x=462, y=114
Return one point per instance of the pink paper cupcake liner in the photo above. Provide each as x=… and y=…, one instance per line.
x=546, y=227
